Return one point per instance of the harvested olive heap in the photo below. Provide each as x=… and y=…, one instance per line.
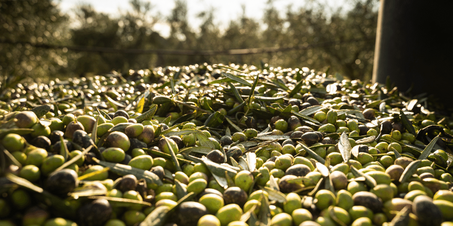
x=222, y=145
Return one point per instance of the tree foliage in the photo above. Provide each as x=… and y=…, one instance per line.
x=342, y=39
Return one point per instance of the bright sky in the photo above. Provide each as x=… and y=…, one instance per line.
x=225, y=10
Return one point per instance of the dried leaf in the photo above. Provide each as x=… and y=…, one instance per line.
x=323, y=169
x=251, y=160
x=275, y=195
x=272, y=137
x=366, y=140
x=273, y=183
x=355, y=151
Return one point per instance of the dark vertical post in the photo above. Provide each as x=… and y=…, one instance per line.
x=414, y=46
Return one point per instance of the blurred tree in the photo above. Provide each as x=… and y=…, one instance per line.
x=131, y=30
x=342, y=38
x=181, y=35
x=23, y=24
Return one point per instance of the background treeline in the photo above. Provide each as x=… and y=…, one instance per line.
x=316, y=37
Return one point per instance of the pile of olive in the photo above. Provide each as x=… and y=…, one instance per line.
x=222, y=145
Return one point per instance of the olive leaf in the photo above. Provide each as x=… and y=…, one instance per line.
x=409, y=171
x=325, y=172
x=425, y=153
x=265, y=212
x=121, y=202
x=93, y=174
x=200, y=150
x=217, y=169
x=21, y=131
x=63, y=149
x=148, y=114
x=334, y=217
x=355, y=151
x=273, y=183
x=172, y=153
x=251, y=160
x=311, y=110
x=371, y=182
x=236, y=79
x=141, y=103
x=122, y=170
x=233, y=125
x=275, y=195
x=365, y=140
x=75, y=158
x=402, y=218
x=42, y=110
x=312, y=153
x=181, y=191
x=407, y=124
x=160, y=214
x=243, y=163
x=114, y=104
x=306, y=118
x=397, y=154
x=165, y=155
x=11, y=157
x=345, y=147
x=272, y=137
x=86, y=192
x=235, y=92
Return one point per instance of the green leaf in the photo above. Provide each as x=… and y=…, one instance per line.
x=410, y=170
x=122, y=170
x=236, y=79
x=199, y=150
x=63, y=149
x=42, y=110
x=148, y=114
x=181, y=190
x=407, y=124
x=237, y=128
x=141, y=103
x=296, y=88
x=270, y=99
x=114, y=104
x=121, y=202
x=312, y=153
x=265, y=212
x=371, y=182
x=306, y=118
x=173, y=155
x=204, y=140
x=235, y=93
x=217, y=169
x=428, y=148
x=311, y=110
x=75, y=158
x=252, y=91
x=24, y=183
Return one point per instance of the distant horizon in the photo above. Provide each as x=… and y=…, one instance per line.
x=224, y=11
